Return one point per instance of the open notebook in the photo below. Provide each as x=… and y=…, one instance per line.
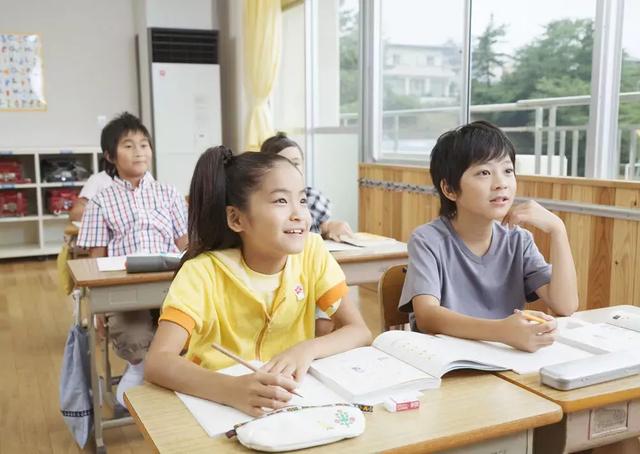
x=405, y=360
x=216, y=418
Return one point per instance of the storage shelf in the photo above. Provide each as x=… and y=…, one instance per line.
x=48, y=151
x=19, y=218
x=18, y=185
x=55, y=217
x=22, y=250
x=66, y=184
x=52, y=247
x=41, y=233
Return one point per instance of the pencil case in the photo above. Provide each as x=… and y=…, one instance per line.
x=299, y=427
x=151, y=263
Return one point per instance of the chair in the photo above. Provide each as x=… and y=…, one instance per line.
x=389, y=290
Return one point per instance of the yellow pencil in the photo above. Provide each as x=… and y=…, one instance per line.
x=533, y=318
x=239, y=360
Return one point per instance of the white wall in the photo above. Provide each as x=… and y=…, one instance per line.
x=89, y=69
x=194, y=14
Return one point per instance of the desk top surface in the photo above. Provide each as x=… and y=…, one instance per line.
x=582, y=398
x=85, y=272
x=467, y=408
x=590, y=396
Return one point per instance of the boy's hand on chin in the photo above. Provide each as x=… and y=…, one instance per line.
x=532, y=213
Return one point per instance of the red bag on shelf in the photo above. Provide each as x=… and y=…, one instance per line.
x=60, y=200
x=13, y=203
x=11, y=172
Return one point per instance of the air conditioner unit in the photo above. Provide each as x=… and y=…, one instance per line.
x=185, y=100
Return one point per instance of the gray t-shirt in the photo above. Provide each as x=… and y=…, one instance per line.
x=491, y=286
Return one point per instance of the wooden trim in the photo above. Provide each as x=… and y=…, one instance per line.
x=575, y=181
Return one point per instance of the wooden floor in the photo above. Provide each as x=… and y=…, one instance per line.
x=34, y=320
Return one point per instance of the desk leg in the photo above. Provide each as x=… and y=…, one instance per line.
x=95, y=387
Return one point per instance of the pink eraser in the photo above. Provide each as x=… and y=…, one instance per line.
x=401, y=403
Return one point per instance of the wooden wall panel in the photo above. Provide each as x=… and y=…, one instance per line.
x=624, y=251
x=605, y=250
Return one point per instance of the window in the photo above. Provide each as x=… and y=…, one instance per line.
x=529, y=62
x=416, y=108
x=417, y=87
x=629, y=110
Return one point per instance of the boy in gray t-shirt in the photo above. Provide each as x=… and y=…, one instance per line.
x=470, y=275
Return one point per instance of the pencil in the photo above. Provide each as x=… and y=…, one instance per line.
x=239, y=360
x=533, y=318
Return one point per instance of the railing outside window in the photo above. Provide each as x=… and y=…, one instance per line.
x=556, y=149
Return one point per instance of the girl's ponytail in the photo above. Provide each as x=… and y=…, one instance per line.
x=208, y=228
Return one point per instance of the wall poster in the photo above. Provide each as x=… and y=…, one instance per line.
x=21, y=76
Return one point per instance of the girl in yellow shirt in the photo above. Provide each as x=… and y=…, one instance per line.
x=251, y=280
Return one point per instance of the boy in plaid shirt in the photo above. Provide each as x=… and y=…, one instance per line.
x=135, y=214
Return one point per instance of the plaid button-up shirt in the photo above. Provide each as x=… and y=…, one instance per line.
x=319, y=207
x=127, y=220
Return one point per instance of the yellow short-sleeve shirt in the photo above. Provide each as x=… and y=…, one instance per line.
x=212, y=299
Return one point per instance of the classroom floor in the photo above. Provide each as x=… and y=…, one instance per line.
x=34, y=321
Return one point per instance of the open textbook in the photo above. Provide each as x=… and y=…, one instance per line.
x=405, y=360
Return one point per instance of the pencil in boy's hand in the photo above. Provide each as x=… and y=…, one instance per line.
x=239, y=360
x=533, y=318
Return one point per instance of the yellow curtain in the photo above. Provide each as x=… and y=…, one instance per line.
x=262, y=47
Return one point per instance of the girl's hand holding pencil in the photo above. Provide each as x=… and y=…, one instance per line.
x=252, y=393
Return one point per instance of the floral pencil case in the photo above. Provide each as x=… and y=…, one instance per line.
x=298, y=427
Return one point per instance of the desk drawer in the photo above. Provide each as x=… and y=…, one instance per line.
x=127, y=297
x=518, y=443
x=590, y=428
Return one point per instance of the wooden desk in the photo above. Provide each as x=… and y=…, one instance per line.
x=584, y=407
x=112, y=291
x=71, y=229
x=116, y=291
x=469, y=409
x=365, y=266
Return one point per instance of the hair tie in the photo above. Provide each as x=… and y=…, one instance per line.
x=227, y=155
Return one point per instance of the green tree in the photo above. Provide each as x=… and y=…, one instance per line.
x=563, y=53
x=485, y=60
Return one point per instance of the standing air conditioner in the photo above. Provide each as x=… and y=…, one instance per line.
x=185, y=101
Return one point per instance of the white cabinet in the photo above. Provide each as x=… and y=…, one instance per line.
x=38, y=231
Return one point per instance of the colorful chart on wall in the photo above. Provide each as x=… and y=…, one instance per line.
x=21, y=76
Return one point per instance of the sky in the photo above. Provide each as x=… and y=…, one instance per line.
x=436, y=21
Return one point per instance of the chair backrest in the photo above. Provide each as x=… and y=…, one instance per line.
x=389, y=290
